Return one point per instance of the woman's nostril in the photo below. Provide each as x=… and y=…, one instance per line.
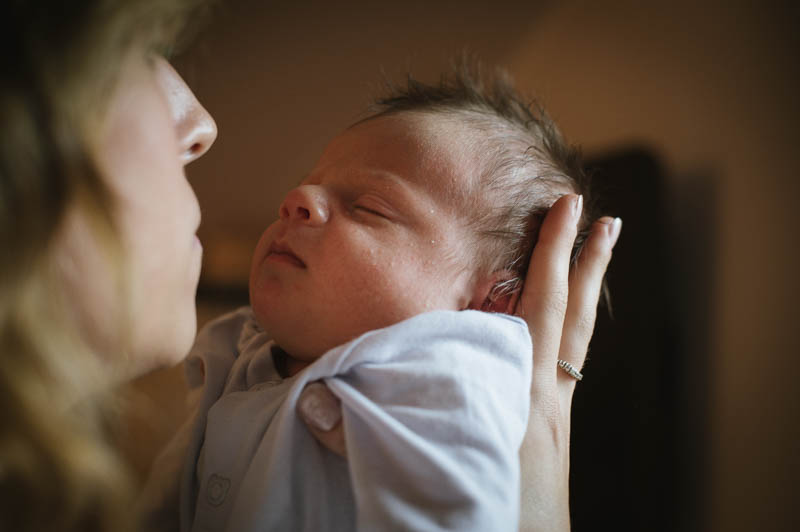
x=303, y=213
x=193, y=152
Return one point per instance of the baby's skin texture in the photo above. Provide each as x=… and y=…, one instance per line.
x=374, y=235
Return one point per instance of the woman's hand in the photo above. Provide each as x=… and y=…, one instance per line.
x=559, y=306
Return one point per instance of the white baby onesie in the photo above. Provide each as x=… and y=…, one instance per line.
x=434, y=410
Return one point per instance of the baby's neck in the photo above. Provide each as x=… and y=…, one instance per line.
x=285, y=364
x=294, y=366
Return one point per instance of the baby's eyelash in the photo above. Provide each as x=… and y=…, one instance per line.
x=368, y=210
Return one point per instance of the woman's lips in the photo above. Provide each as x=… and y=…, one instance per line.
x=280, y=252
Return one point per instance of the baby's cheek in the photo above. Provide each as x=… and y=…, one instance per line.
x=414, y=287
x=377, y=296
x=388, y=280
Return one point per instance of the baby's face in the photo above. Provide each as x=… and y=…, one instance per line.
x=374, y=235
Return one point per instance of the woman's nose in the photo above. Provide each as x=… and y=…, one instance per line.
x=305, y=204
x=194, y=127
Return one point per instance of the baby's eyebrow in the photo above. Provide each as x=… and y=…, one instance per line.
x=406, y=196
x=385, y=175
x=364, y=175
x=383, y=181
x=401, y=191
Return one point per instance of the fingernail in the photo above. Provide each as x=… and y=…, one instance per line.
x=577, y=206
x=319, y=408
x=613, y=231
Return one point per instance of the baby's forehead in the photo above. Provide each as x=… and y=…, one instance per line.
x=436, y=151
x=438, y=134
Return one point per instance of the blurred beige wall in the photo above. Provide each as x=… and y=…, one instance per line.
x=712, y=88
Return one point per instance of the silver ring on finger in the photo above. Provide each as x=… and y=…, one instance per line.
x=570, y=369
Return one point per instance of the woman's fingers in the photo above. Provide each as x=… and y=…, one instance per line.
x=544, y=453
x=585, y=284
x=543, y=302
x=322, y=413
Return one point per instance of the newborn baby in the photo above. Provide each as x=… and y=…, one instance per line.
x=390, y=274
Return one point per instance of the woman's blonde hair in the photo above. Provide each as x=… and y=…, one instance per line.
x=59, y=68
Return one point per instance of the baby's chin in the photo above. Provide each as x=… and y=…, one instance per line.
x=300, y=336
x=297, y=337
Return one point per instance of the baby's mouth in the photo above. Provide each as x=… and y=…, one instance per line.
x=281, y=252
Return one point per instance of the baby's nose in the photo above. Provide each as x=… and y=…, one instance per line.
x=305, y=204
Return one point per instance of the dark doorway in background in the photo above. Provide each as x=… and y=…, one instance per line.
x=637, y=443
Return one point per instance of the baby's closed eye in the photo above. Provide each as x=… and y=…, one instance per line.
x=369, y=210
x=373, y=206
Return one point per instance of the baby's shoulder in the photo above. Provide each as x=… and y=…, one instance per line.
x=217, y=345
x=444, y=338
x=443, y=361
x=492, y=330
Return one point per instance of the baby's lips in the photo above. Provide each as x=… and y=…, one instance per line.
x=281, y=252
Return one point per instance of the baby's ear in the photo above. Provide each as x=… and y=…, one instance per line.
x=496, y=293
